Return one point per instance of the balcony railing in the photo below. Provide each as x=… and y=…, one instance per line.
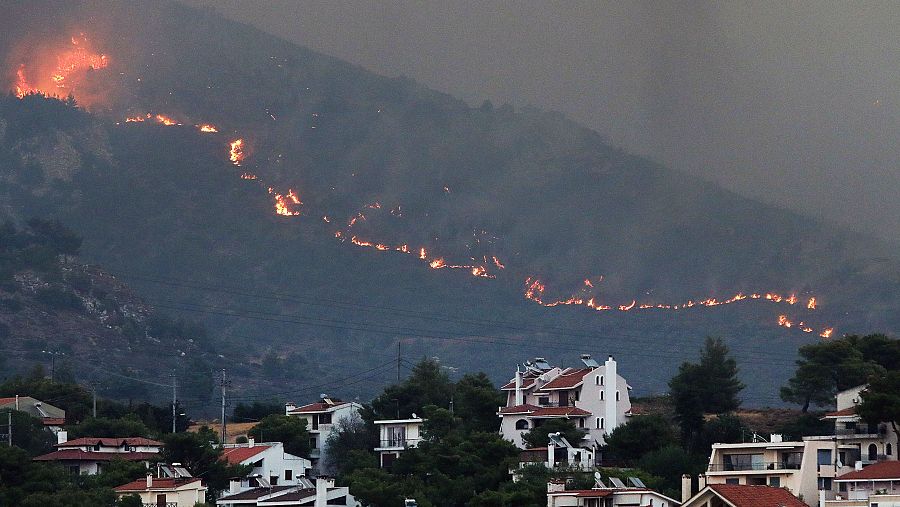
x=761, y=466
x=400, y=442
x=155, y=504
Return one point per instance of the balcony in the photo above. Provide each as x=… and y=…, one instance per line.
x=397, y=443
x=155, y=504
x=752, y=467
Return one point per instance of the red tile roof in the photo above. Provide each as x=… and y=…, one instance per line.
x=4, y=401
x=53, y=421
x=567, y=380
x=317, y=407
x=158, y=484
x=79, y=455
x=527, y=382
x=560, y=411
x=536, y=411
x=742, y=495
x=110, y=442
x=875, y=471
x=519, y=409
x=842, y=413
x=237, y=455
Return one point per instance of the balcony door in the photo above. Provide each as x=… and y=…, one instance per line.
x=396, y=436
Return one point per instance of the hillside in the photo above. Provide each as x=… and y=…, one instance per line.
x=291, y=307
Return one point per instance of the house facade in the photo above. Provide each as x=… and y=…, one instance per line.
x=594, y=397
x=168, y=492
x=733, y=495
x=395, y=436
x=876, y=485
x=322, y=493
x=321, y=419
x=271, y=465
x=88, y=456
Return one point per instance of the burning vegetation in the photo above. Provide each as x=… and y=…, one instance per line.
x=60, y=71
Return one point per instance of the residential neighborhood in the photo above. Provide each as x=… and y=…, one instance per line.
x=550, y=435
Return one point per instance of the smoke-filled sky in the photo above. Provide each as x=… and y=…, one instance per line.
x=795, y=103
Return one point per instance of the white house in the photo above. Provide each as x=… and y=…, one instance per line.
x=169, y=491
x=868, y=443
x=876, y=485
x=322, y=418
x=271, y=465
x=558, y=453
x=594, y=397
x=88, y=456
x=395, y=436
x=603, y=496
x=321, y=494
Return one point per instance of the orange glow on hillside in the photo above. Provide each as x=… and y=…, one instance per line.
x=59, y=72
x=236, y=151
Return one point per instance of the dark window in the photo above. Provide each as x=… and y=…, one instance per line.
x=312, y=443
x=842, y=487
x=581, y=422
x=325, y=418
x=825, y=483
x=288, y=475
x=617, y=395
x=522, y=424
x=888, y=449
x=823, y=457
x=775, y=482
x=757, y=481
x=543, y=400
x=873, y=452
x=273, y=480
x=732, y=480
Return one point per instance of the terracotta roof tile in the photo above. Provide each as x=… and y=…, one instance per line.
x=110, y=442
x=519, y=409
x=742, y=495
x=567, y=380
x=317, y=407
x=560, y=411
x=53, y=421
x=842, y=413
x=79, y=455
x=527, y=382
x=881, y=470
x=164, y=483
x=237, y=455
x=4, y=401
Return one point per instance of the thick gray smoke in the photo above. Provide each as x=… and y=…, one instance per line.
x=794, y=103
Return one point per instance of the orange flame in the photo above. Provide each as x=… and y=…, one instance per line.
x=236, y=153
x=71, y=64
x=826, y=333
x=811, y=304
x=248, y=176
x=206, y=127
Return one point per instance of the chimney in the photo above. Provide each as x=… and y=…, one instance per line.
x=62, y=436
x=17, y=402
x=289, y=407
x=234, y=486
x=519, y=396
x=149, y=480
x=556, y=485
x=858, y=465
x=685, y=487
x=611, y=410
x=701, y=482
x=322, y=485
x=251, y=442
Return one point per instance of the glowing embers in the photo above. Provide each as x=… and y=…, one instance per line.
x=236, y=151
x=286, y=205
x=72, y=62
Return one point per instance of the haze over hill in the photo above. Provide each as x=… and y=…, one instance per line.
x=302, y=246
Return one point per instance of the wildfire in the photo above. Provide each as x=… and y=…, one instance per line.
x=72, y=63
x=783, y=321
x=165, y=120
x=283, y=206
x=236, y=152
x=827, y=332
x=248, y=176
x=206, y=127
x=811, y=304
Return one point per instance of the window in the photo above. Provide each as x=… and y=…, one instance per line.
x=601, y=395
x=522, y=424
x=601, y=423
x=597, y=422
x=543, y=400
x=743, y=462
x=312, y=443
x=732, y=480
x=288, y=475
x=581, y=422
x=775, y=482
x=888, y=450
x=601, y=380
x=617, y=395
x=823, y=457
x=73, y=469
x=273, y=480
x=873, y=452
x=825, y=483
x=597, y=380
x=756, y=481
x=325, y=418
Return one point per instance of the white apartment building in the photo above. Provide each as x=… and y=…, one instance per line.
x=395, y=436
x=603, y=496
x=809, y=468
x=877, y=485
x=594, y=397
x=168, y=492
x=321, y=420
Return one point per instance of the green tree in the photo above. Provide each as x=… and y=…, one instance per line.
x=255, y=412
x=669, y=463
x=537, y=436
x=28, y=432
x=127, y=426
x=349, y=435
x=427, y=384
x=640, y=436
x=881, y=400
x=475, y=402
x=289, y=430
x=824, y=369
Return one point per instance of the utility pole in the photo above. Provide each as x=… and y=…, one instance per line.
x=398, y=361
x=94, y=396
x=9, y=427
x=174, y=399
x=223, y=406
